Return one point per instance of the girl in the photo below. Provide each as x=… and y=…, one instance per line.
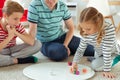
x=10, y=29
x=95, y=31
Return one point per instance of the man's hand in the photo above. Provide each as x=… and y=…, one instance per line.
x=68, y=50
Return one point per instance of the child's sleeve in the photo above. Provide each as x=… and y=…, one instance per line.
x=108, y=44
x=20, y=28
x=80, y=51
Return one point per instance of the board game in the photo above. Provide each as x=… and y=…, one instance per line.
x=57, y=71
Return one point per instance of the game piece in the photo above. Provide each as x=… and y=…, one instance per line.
x=69, y=63
x=77, y=72
x=84, y=70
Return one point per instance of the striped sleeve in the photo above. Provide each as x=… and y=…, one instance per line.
x=67, y=14
x=20, y=28
x=32, y=12
x=80, y=51
x=108, y=43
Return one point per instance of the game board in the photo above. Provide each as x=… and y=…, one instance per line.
x=56, y=71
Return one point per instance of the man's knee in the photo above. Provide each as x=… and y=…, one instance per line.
x=57, y=52
x=89, y=51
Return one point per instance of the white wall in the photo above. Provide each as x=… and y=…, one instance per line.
x=82, y=4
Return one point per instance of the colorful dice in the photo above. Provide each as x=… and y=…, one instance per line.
x=76, y=72
x=84, y=70
x=69, y=63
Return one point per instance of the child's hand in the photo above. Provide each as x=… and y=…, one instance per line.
x=10, y=31
x=74, y=67
x=108, y=75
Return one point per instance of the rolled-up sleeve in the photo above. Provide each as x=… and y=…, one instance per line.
x=67, y=14
x=32, y=12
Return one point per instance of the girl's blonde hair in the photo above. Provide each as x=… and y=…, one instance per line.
x=91, y=14
x=12, y=6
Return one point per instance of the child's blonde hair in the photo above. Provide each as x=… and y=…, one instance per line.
x=92, y=15
x=12, y=6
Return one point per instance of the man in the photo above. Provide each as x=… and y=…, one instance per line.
x=45, y=17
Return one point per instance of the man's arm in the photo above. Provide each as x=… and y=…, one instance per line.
x=32, y=30
x=69, y=35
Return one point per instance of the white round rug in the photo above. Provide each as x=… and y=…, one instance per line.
x=56, y=71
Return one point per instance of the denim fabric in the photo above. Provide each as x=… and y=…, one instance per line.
x=55, y=50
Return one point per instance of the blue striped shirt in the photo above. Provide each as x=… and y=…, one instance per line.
x=107, y=46
x=49, y=23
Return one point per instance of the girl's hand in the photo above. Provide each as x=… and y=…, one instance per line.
x=74, y=67
x=108, y=75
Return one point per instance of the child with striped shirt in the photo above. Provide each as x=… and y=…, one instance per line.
x=95, y=31
x=10, y=29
